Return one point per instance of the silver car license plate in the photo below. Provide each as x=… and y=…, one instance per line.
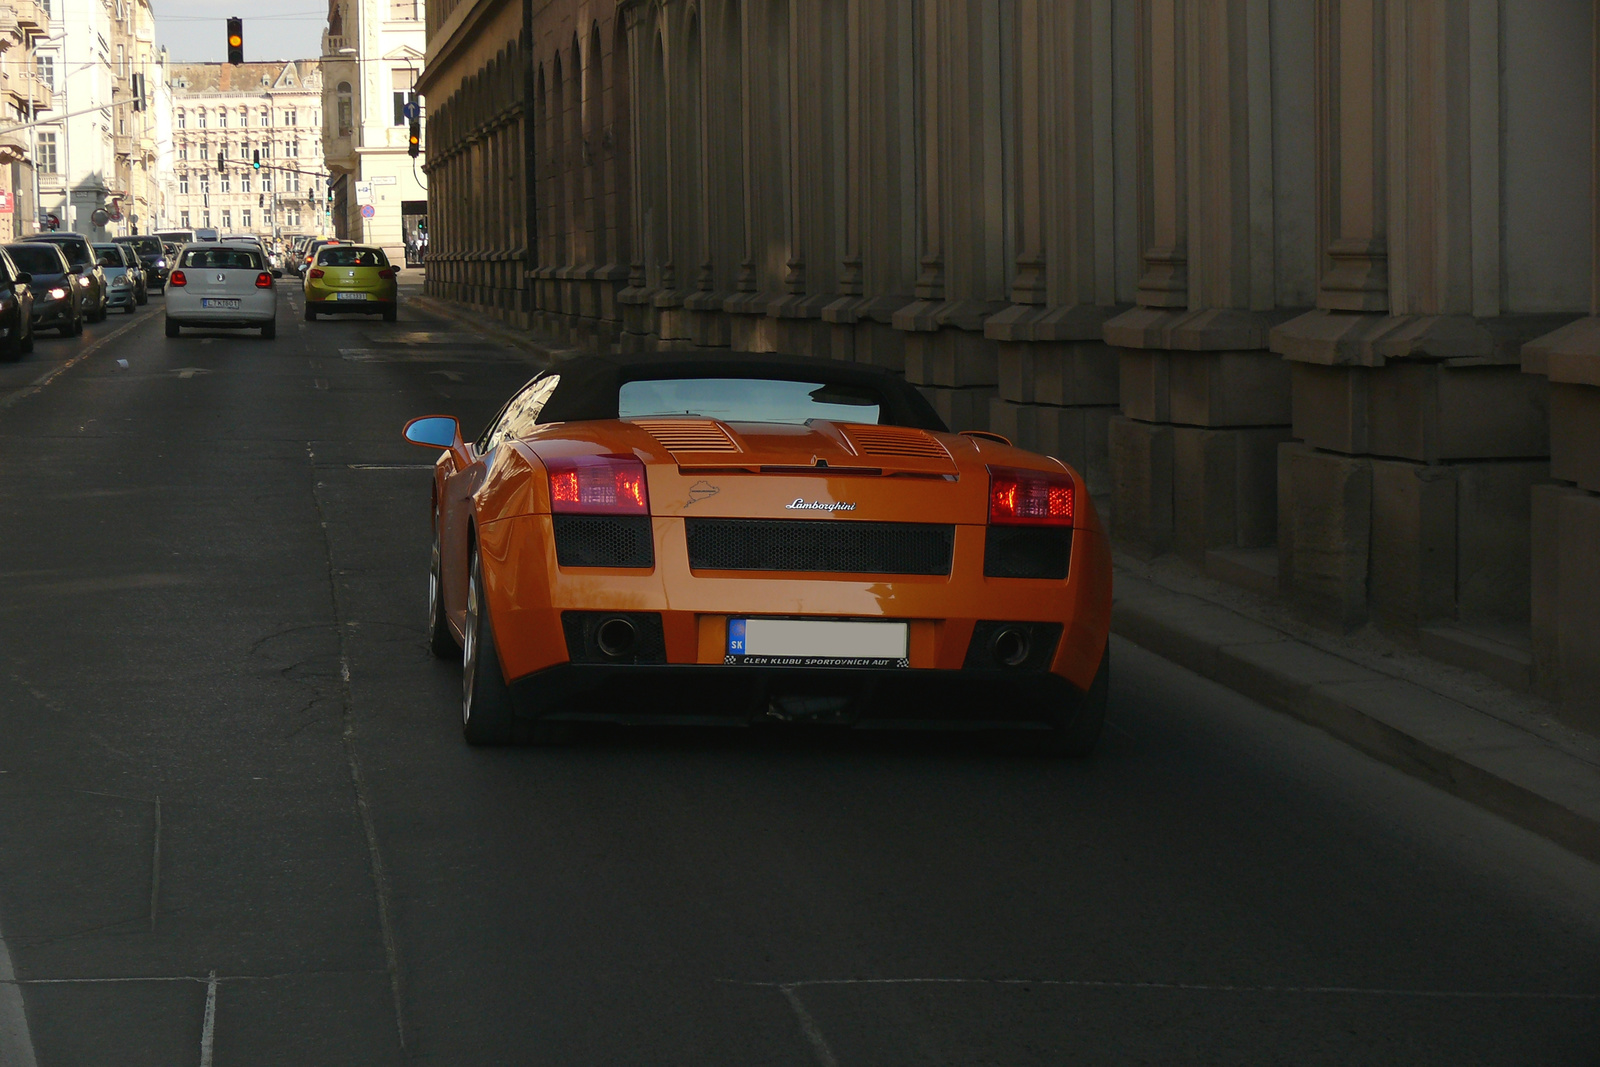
x=350, y=296
x=769, y=642
x=225, y=305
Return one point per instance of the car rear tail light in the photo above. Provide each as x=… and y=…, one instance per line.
x=177, y=278
x=316, y=272
x=598, y=485
x=387, y=272
x=1029, y=498
x=263, y=280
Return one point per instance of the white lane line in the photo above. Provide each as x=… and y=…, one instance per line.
x=390, y=466
x=808, y=1027
x=208, y=1029
x=1183, y=987
x=16, y=1042
x=49, y=376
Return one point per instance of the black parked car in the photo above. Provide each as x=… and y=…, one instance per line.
x=16, y=310
x=153, y=257
x=54, y=305
x=91, y=285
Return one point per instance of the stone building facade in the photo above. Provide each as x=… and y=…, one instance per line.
x=23, y=94
x=274, y=108
x=1296, y=283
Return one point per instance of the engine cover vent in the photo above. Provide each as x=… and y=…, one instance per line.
x=895, y=441
x=688, y=435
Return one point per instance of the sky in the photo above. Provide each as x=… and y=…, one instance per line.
x=194, y=31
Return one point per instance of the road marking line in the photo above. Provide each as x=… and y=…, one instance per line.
x=390, y=466
x=16, y=1042
x=1183, y=987
x=808, y=1027
x=155, y=872
x=208, y=1029
x=45, y=379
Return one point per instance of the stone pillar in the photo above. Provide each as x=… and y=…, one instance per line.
x=1406, y=377
x=1204, y=404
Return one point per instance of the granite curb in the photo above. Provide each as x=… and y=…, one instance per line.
x=1482, y=759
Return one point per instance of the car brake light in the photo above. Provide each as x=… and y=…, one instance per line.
x=598, y=485
x=263, y=280
x=177, y=278
x=316, y=272
x=1029, y=498
x=387, y=272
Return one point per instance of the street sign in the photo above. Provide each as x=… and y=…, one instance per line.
x=363, y=192
x=368, y=211
x=382, y=179
x=5, y=202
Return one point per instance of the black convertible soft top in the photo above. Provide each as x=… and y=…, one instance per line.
x=590, y=384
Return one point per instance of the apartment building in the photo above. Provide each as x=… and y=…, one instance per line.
x=270, y=109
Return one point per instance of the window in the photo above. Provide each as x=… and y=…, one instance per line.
x=122, y=62
x=750, y=400
x=291, y=148
x=46, y=66
x=244, y=218
x=200, y=118
x=244, y=182
x=183, y=121
x=183, y=219
x=266, y=116
x=244, y=117
x=205, y=151
x=227, y=215
x=225, y=181
x=266, y=182
x=289, y=117
x=293, y=216
x=346, y=113
x=266, y=217
x=222, y=118
x=404, y=82
x=183, y=151
x=291, y=182
x=205, y=218
x=183, y=184
x=205, y=185
x=46, y=146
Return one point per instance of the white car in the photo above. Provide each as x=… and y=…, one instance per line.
x=222, y=285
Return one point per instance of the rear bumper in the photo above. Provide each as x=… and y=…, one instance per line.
x=360, y=307
x=863, y=698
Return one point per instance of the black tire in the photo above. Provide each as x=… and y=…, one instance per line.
x=486, y=715
x=1077, y=731
x=441, y=642
x=311, y=312
x=172, y=328
x=143, y=298
x=132, y=308
x=391, y=314
x=269, y=331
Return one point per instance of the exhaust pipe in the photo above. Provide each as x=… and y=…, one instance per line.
x=1010, y=647
x=616, y=638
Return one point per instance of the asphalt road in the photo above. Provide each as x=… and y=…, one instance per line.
x=238, y=824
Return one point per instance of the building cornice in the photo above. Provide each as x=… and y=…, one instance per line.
x=458, y=30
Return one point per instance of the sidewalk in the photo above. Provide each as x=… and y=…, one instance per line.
x=1488, y=744
x=1467, y=734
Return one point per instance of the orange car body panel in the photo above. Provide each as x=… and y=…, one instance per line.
x=768, y=467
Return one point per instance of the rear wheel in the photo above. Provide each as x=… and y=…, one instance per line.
x=172, y=328
x=132, y=308
x=1076, y=731
x=391, y=313
x=143, y=298
x=311, y=312
x=269, y=331
x=486, y=717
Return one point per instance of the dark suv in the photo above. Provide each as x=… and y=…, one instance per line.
x=90, y=281
x=151, y=256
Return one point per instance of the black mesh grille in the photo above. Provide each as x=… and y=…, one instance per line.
x=604, y=541
x=819, y=545
x=1041, y=637
x=1027, y=551
x=583, y=637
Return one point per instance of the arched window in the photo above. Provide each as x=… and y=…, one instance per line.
x=346, y=115
x=182, y=120
x=222, y=118
x=201, y=115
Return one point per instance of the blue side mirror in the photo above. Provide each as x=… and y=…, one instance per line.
x=433, y=431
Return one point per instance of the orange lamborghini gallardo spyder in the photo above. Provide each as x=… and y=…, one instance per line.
x=697, y=538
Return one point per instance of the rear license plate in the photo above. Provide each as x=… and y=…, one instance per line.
x=225, y=305
x=817, y=643
x=349, y=296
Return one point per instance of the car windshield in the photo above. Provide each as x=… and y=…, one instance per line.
x=77, y=252
x=234, y=258
x=748, y=400
x=145, y=246
x=348, y=256
x=108, y=255
x=36, y=259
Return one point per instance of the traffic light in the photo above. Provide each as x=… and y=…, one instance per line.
x=138, y=92
x=414, y=142
x=236, y=41
x=255, y=159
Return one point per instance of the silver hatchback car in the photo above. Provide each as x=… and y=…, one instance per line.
x=222, y=285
